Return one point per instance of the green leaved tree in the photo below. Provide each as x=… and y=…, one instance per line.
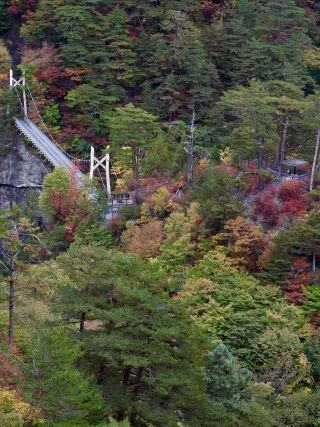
x=231, y=393
x=262, y=40
x=4, y=17
x=133, y=133
x=53, y=382
x=252, y=128
x=133, y=336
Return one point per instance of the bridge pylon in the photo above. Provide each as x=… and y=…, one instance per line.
x=14, y=83
x=105, y=164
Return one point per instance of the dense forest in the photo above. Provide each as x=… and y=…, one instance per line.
x=197, y=304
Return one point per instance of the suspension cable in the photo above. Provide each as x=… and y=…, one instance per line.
x=83, y=159
x=73, y=158
x=104, y=186
x=38, y=112
x=18, y=95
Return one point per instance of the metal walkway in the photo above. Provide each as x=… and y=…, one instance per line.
x=272, y=185
x=47, y=147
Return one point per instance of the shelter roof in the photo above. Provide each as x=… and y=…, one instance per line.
x=295, y=162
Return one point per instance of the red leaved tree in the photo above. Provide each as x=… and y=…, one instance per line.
x=294, y=199
x=267, y=208
x=149, y=186
x=65, y=201
x=298, y=277
x=291, y=190
x=289, y=201
x=20, y=7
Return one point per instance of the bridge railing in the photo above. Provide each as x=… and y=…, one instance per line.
x=275, y=184
x=117, y=199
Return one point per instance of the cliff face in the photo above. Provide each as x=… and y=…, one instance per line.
x=21, y=169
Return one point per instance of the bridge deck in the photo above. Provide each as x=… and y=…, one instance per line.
x=47, y=147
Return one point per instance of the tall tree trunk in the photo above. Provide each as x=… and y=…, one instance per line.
x=315, y=160
x=133, y=416
x=191, y=147
x=277, y=156
x=11, y=303
x=133, y=419
x=120, y=416
x=260, y=163
x=314, y=258
x=135, y=167
x=282, y=145
x=102, y=373
x=126, y=376
x=138, y=381
x=81, y=329
x=82, y=320
x=136, y=174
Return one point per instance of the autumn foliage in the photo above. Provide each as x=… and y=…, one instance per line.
x=298, y=277
x=150, y=189
x=20, y=7
x=146, y=239
x=212, y=11
x=244, y=240
x=252, y=178
x=288, y=201
x=65, y=201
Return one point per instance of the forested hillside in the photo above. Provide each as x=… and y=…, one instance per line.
x=190, y=295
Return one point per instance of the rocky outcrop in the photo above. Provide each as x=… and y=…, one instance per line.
x=21, y=169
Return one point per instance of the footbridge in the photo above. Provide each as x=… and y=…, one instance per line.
x=44, y=142
x=45, y=145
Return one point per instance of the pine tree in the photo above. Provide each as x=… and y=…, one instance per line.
x=253, y=128
x=4, y=17
x=119, y=59
x=301, y=239
x=137, y=345
x=263, y=40
x=225, y=377
x=235, y=399
x=281, y=33
x=232, y=53
x=288, y=103
x=191, y=81
x=133, y=132
x=215, y=193
x=53, y=382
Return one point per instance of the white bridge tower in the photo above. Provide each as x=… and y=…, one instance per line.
x=21, y=82
x=105, y=164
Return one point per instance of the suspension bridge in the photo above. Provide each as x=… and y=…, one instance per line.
x=48, y=149
x=47, y=146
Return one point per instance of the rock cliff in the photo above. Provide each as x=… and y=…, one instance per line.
x=21, y=169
